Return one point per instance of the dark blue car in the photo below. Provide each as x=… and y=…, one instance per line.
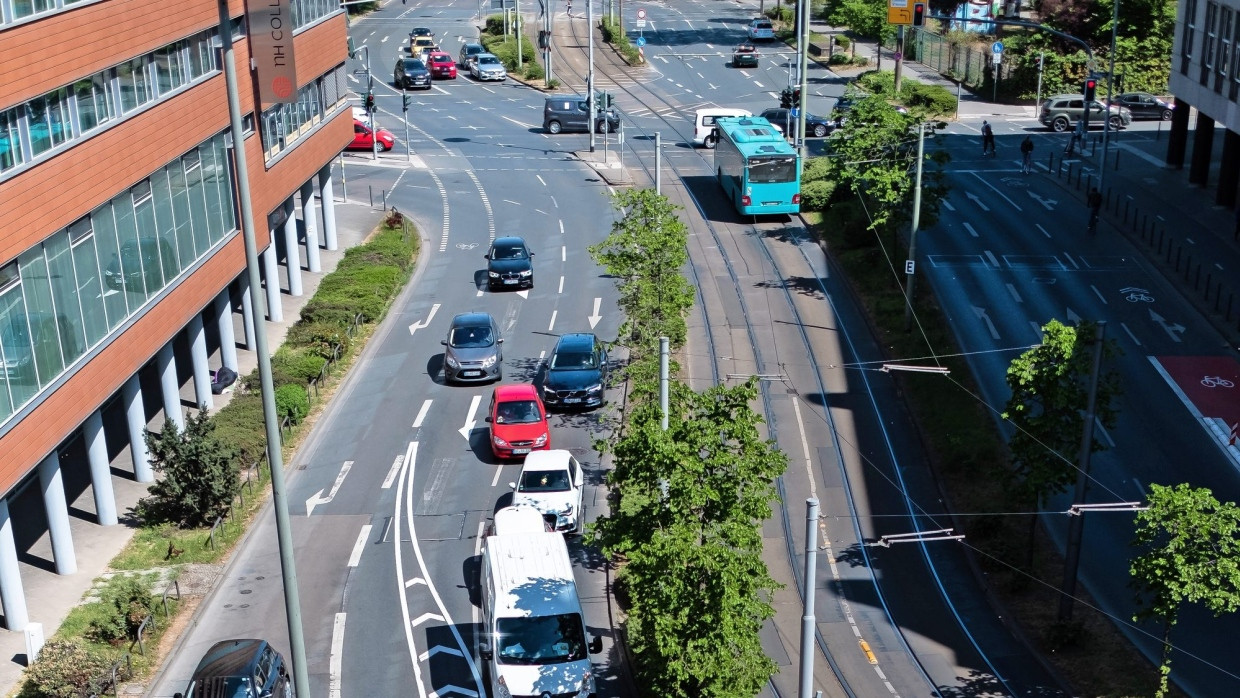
x=240, y=669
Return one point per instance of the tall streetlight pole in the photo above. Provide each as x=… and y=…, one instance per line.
x=1106, y=132
x=802, y=60
x=370, y=90
x=590, y=75
x=912, y=238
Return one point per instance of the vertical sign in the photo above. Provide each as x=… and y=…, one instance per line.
x=899, y=12
x=270, y=27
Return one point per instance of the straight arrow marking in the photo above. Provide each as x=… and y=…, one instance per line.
x=595, y=317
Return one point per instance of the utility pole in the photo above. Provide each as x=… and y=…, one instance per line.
x=518, y=32
x=802, y=45
x=911, y=265
x=664, y=378
x=1106, y=131
x=807, y=616
x=899, y=56
x=590, y=74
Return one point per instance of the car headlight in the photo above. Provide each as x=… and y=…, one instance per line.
x=493, y=274
x=527, y=272
x=596, y=388
x=567, y=511
x=489, y=362
x=548, y=390
x=541, y=440
x=451, y=362
x=500, y=442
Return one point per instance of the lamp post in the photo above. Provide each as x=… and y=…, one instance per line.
x=370, y=90
x=1106, y=132
x=590, y=101
x=912, y=238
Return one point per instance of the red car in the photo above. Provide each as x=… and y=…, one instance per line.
x=442, y=65
x=363, y=138
x=518, y=421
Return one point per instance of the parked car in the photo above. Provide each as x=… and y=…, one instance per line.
x=1062, y=112
x=411, y=74
x=551, y=482
x=518, y=421
x=240, y=669
x=487, y=66
x=576, y=372
x=760, y=29
x=442, y=66
x=573, y=114
x=364, y=137
x=473, y=350
x=816, y=126
x=745, y=56
x=510, y=264
x=1144, y=105
x=467, y=55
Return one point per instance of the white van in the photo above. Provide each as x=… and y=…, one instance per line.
x=704, y=123
x=519, y=518
x=533, y=635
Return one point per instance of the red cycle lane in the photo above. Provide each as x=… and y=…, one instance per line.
x=1210, y=383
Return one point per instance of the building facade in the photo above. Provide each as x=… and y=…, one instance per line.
x=122, y=266
x=1205, y=76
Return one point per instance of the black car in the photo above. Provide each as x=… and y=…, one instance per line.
x=510, y=264
x=240, y=669
x=411, y=74
x=576, y=372
x=816, y=126
x=1144, y=105
x=420, y=31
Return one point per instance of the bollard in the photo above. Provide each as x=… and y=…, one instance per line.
x=1051, y=167
x=1117, y=159
x=385, y=199
x=371, y=190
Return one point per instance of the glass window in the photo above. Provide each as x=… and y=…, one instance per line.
x=65, y=296
x=44, y=320
x=19, y=373
x=25, y=8
x=94, y=102
x=211, y=177
x=149, y=243
x=135, y=84
x=107, y=249
x=47, y=121
x=128, y=274
x=197, y=202
x=184, y=230
x=201, y=55
x=89, y=288
x=1224, y=49
x=1207, y=42
x=164, y=224
x=169, y=68
x=224, y=162
x=10, y=144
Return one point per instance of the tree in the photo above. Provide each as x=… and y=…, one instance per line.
x=1050, y=386
x=1190, y=551
x=865, y=18
x=199, y=474
x=645, y=252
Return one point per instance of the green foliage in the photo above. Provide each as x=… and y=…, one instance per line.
x=319, y=339
x=298, y=365
x=644, y=253
x=928, y=100
x=534, y=71
x=505, y=48
x=240, y=423
x=292, y=401
x=199, y=474
x=817, y=195
x=614, y=34
x=65, y=669
x=1189, y=545
x=494, y=25
x=126, y=601
x=866, y=19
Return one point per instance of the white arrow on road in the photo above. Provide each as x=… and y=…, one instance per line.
x=1073, y=318
x=525, y=293
x=317, y=498
x=440, y=648
x=977, y=200
x=1172, y=330
x=1048, y=203
x=441, y=692
x=469, y=421
x=981, y=314
x=423, y=323
x=596, y=317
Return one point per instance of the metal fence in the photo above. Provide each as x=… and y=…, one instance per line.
x=964, y=64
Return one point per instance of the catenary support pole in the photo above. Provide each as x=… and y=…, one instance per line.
x=808, y=649
x=658, y=162
x=275, y=460
x=912, y=238
x=802, y=67
x=592, y=107
x=1106, y=129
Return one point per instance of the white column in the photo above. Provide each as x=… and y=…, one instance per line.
x=247, y=313
x=271, y=276
x=135, y=418
x=11, y=592
x=292, y=251
x=170, y=390
x=100, y=469
x=224, y=325
x=329, y=208
x=52, y=485
x=198, y=356
x=309, y=216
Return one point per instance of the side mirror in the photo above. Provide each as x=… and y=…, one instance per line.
x=487, y=420
x=484, y=650
x=596, y=645
x=500, y=340
x=486, y=256
x=445, y=342
x=531, y=254
x=512, y=486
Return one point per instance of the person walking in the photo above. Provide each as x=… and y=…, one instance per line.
x=988, y=139
x=1094, y=200
x=1026, y=155
x=569, y=9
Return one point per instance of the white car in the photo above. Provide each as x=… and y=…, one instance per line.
x=760, y=29
x=551, y=482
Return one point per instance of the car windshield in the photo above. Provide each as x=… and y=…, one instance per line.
x=508, y=252
x=223, y=687
x=518, y=412
x=761, y=25
x=541, y=640
x=414, y=64
x=472, y=337
x=488, y=60
x=572, y=360
x=545, y=481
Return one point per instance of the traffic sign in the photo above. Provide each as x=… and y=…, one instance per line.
x=641, y=14
x=899, y=12
x=795, y=112
x=641, y=41
x=996, y=47
x=641, y=24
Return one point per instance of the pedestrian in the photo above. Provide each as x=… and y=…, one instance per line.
x=988, y=139
x=569, y=9
x=1094, y=200
x=1026, y=155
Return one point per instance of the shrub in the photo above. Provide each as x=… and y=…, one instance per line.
x=842, y=41
x=66, y=669
x=534, y=71
x=319, y=339
x=935, y=100
x=299, y=365
x=816, y=195
x=292, y=401
x=199, y=474
x=880, y=82
x=126, y=602
x=839, y=59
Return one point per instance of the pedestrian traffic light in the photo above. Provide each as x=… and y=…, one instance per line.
x=405, y=103
x=370, y=102
x=1091, y=88
x=919, y=14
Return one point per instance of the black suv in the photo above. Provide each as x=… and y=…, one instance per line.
x=576, y=372
x=240, y=669
x=411, y=74
x=815, y=125
x=510, y=264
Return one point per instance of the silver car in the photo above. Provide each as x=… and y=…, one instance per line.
x=487, y=66
x=473, y=350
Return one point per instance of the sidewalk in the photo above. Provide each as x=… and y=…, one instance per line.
x=50, y=596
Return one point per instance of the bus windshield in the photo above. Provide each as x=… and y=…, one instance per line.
x=770, y=169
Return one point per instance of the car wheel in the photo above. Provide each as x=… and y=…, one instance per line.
x=1166, y=115
x=709, y=142
x=1116, y=123
x=554, y=127
x=379, y=146
x=820, y=130
x=1060, y=125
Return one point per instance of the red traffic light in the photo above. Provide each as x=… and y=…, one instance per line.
x=919, y=14
x=1091, y=84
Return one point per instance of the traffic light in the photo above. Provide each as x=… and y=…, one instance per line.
x=370, y=102
x=1091, y=87
x=405, y=103
x=919, y=14
x=785, y=98
x=796, y=97
x=543, y=35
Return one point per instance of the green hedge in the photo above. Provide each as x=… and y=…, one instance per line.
x=292, y=401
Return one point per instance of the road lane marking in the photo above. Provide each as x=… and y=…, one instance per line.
x=561, y=285
x=993, y=260
x=415, y=580
x=1073, y=260
x=391, y=474
x=470, y=422
x=540, y=180
x=1099, y=294
x=337, y=654
x=400, y=572
x=563, y=253
x=1015, y=295
x=422, y=324
x=595, y=317
x=1039, y=227
x=561, y=227
x=971, y=230
x=417, y=421
x=551, y=326
x=317, y=498
x=1131, y=336
x=1005, y=198
x=359, y=545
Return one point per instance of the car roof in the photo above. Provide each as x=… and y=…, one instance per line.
x=473, y=44
x=441, y=54
x=553, y=459
x=488, y=53
x=508, y=240
x=575, y=339
x=515, y=391
x=230, y=658
x=471, y=318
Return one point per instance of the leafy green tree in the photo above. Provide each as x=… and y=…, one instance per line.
x=199, y=474
x=865, y=18
x=1050, y=389
x=1190, y=552
x=645, y=252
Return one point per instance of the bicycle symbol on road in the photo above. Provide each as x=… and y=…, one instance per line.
x=1137, y=295
x=466, y=245
x=1217, y=382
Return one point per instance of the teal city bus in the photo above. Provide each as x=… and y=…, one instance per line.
x=756, y=167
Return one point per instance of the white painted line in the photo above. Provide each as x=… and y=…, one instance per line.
x=947, y=204
x=1131, y=336
x=336, y=660
x=760, y=85
x=1037, y=329
x=542, y=353
x=470, y=422
x=551, y=325
x=317, y=498
x=1099, y=294
x=1106, y=436
x=1015, y=295
x=983, y=180
x=993, y=260
x=557, y=205
x=359, y=545
x=449, y=689
x=417, y=421
x=423, y=323
x=809, y=464
x=540, y=180
x=440, y=649
x=1073, y=260
x=1039, y=227
x=391, y=474
x=425, y=617
x=971, y=230
x=561, y=227
x=415, y=580
x=595, y=317
x=561, y=285
x=563, y=253
x=495, y=480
